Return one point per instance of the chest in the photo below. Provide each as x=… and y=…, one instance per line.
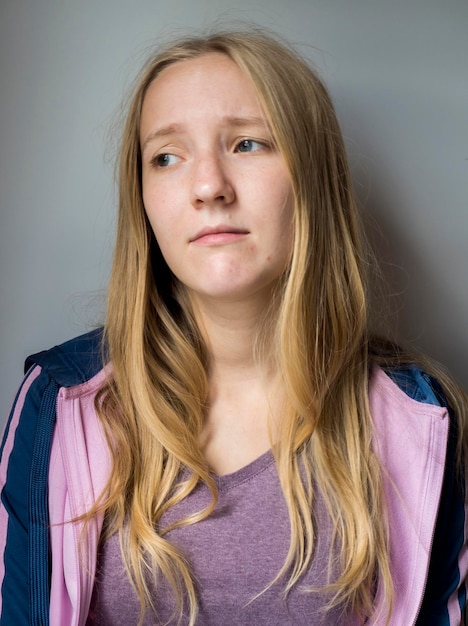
x=235, y=554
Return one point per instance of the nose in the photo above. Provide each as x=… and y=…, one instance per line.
x=211, y=184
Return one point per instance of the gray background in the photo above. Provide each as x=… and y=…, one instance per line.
x=398, y=75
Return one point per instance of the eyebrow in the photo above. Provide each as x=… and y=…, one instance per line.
x=244, y=121
x=228, y=120
x=172, y=129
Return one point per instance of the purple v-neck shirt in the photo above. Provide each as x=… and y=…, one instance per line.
x=234, y=554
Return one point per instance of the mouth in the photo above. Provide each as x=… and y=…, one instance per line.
x=219, y=234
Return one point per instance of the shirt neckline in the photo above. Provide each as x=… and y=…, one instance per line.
x=249, y=471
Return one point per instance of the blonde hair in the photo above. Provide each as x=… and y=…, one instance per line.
x=153, y=406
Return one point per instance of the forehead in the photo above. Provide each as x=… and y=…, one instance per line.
x=207, y=67
x=209, y=85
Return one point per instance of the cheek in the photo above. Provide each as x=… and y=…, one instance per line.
x=158, y=215
x=165, y=238
x=166, y=229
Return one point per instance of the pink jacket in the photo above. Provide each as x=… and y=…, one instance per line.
x=410, y=440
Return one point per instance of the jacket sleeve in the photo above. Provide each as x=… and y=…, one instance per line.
x=24, y=461
x=444, y=601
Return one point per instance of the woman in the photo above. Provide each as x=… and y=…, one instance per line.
x=242, y=457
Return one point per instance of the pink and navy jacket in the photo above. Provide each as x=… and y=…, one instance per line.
x=55, y=462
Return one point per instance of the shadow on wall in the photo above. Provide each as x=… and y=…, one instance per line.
x=416, y=306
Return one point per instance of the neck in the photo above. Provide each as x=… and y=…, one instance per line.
x=244, y=393
x=230, y=331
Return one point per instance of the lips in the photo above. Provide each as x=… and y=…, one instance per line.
x=218, y=234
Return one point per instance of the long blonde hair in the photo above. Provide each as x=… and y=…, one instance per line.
x=153, y=406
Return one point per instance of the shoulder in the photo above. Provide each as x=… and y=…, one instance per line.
x=410, y=417
x=406, y=388
x=33, y=414
x=416, y=384
x=73, y=362
x=67, y=366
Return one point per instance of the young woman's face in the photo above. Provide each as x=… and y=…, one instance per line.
x=216, y=190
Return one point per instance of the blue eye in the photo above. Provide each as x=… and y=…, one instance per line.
x=249, y=145
x=165, y=159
